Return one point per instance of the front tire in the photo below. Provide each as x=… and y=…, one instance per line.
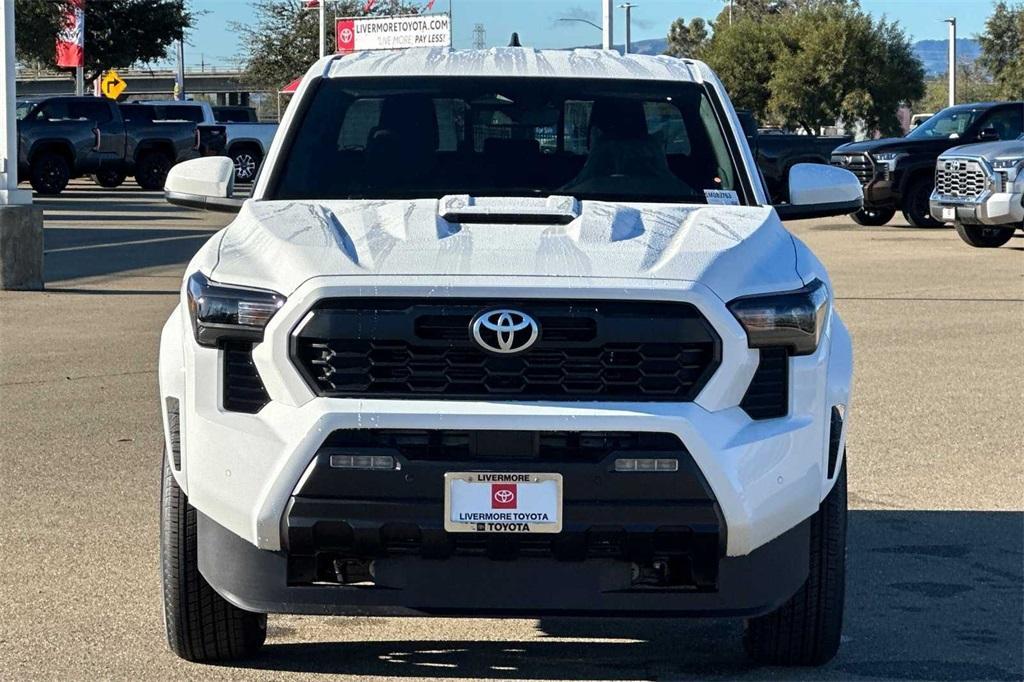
x=151, y=170
x=201, y=625
x=915, y=204
x=984, y=236
x=50, y=174
x=806, y=629
x=873, y=217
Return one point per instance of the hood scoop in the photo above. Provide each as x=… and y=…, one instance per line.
x=466, y=209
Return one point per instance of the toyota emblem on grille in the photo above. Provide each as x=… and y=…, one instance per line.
x=504, y=331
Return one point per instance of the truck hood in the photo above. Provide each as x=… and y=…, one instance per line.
x=733, y=250
x=990, y=151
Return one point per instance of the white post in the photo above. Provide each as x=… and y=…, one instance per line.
x=607, y=24
x=79, y=81
x=179, y=74
x=952, y=60
x=628, y=7
x=9, y=192
x=323, y=27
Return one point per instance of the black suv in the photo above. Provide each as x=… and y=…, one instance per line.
x=899, y=173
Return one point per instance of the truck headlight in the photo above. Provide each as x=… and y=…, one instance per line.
x=888, y=160
x=792, y=319
x=1009, y=169
x=1006, y=164
x=226, y=312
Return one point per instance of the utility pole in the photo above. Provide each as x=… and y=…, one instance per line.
x=322, y=10
x=952, y=60
x=479, y=37
x=628, y=7
x=21, y=223
x=180, y=75
x=607, y=24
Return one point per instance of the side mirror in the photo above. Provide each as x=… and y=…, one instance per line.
x=988, y=135
x=820, y=191
x=207, y=183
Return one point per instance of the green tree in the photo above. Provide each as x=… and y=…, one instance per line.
x=837, y=63
x=118, y=33
x=687, y=40
x=743, y=54
x=973, y=84
x=810, y=63
x=1002, y=49
x=282, y=42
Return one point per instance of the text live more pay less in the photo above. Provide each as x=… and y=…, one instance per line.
x=387, y=33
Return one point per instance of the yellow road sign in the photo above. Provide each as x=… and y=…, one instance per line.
x=112, y=84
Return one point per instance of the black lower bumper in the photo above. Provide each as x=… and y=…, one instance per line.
x=257, y=580
x=881, y=193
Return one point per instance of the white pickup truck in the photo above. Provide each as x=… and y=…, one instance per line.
x=980, y=189
x=506, y=332
x=245, y=142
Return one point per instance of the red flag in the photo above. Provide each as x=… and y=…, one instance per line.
x=429, y=6
x=368, y=7
x=71, y=38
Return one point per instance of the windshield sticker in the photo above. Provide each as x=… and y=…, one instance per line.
x=726, y=197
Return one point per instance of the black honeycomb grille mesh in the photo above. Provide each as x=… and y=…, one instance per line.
x=588, y=350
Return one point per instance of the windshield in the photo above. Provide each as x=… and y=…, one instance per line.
x=430, y=137
x=23, y=107
x=948, y=123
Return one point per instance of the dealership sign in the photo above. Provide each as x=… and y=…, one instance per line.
x=392, y=33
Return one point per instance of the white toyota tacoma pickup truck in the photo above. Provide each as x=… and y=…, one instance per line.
x=506, y=332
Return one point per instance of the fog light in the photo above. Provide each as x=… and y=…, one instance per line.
x=375, y=462
x=647, y=465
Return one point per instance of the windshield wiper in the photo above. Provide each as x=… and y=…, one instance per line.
x=552, y=210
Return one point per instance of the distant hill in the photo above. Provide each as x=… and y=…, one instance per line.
x=932, y=53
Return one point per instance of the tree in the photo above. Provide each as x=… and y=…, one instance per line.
x=687, y=40
x=281, y=44
x=743, y=54
x=1002, y=49
x=837, y=63
x=811, y=63
x=973, y=84
x=118, y=33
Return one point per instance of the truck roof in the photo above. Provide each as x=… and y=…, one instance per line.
x=512, y=61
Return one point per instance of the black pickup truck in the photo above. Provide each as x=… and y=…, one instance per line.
x=898, y=173
x=60, y=138
x=777, y=152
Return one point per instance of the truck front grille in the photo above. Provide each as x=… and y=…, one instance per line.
x=858, y=164
x=587, y=350
x=960, y=179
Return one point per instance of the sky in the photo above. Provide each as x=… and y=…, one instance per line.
x=538, y=21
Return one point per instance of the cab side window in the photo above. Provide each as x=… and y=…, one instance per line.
x=1008, y=122
x=97, y=112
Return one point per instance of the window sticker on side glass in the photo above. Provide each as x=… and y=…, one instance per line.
x=725, y=197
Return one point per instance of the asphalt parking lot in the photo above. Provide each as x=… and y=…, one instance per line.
x=936, y=467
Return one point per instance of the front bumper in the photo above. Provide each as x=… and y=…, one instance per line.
x=992, y=208
x=257, y=580
x=765, y=477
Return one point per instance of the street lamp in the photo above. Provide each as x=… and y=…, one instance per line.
x=628, y=7
x=952, y=59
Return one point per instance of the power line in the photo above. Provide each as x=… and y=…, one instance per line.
x=479, y=36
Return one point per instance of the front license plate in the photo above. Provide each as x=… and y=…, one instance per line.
x=948, y=213
x=497, y=502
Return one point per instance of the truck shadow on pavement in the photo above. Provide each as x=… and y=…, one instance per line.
x=930, y=596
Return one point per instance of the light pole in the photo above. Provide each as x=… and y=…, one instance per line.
x=952, y=60
x=607, y=24
x=322, y=9
x=628, y=7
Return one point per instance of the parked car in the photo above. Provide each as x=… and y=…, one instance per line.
x=777, y=152
x=245, y=142
x=65, y=137
x=899, y=173
x=980, y=189
x=431, y=367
